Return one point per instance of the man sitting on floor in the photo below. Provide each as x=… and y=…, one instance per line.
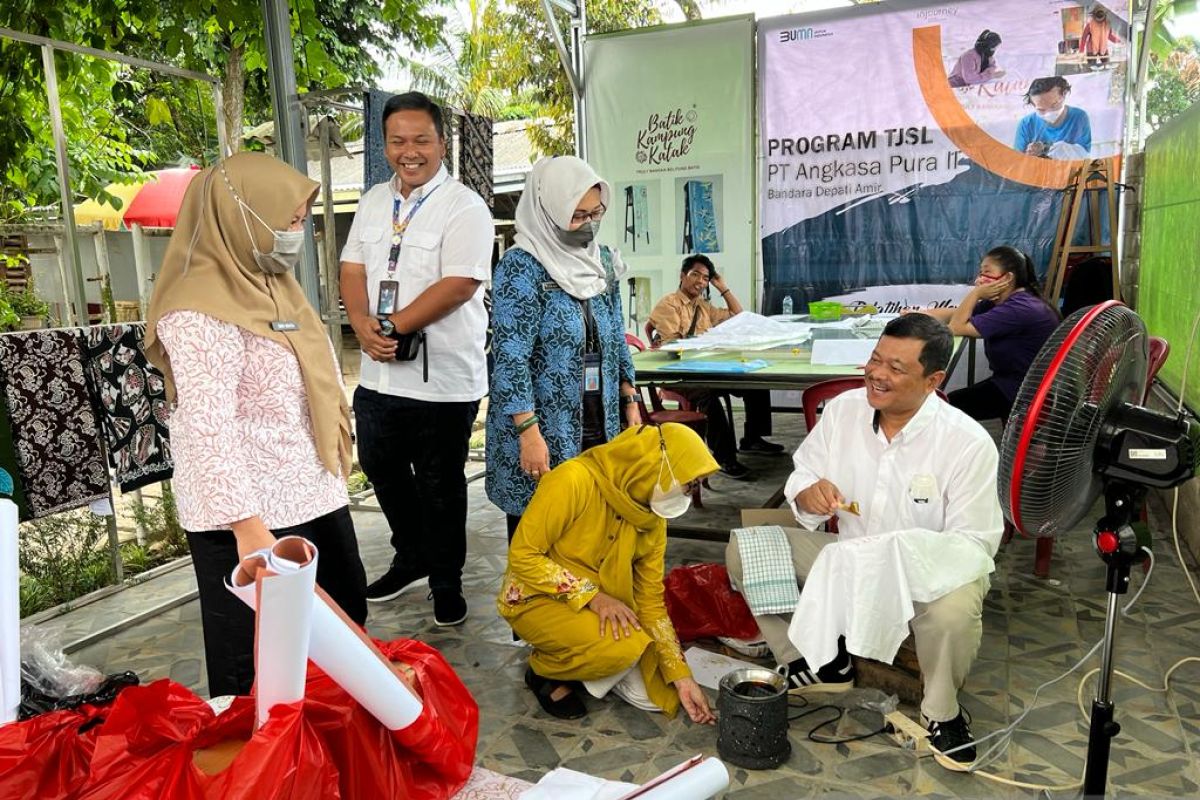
x=912, y=481
x=687, y=312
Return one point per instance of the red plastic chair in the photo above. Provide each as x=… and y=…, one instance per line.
x=1157, y=352
x=679, y=400
x=696, y=420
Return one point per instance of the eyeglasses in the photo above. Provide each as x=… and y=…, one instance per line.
x=594, y=215
x=698, y=274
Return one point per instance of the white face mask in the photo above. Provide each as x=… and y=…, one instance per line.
x=1050, y=117
x=671, y=502
x=288, y=246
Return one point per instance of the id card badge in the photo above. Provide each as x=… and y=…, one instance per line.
x=591, y=373
x=284, y=326
x=387, y=298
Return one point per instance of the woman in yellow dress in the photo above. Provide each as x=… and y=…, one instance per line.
x=584, y=585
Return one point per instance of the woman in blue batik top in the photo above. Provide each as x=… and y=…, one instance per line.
x=562, y=378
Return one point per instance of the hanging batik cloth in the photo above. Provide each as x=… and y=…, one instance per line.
x=130, y=397
x=54, y=430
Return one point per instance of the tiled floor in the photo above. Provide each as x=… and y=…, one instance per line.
x=1033, y=629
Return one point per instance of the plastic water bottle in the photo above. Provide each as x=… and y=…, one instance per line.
x=787, y=304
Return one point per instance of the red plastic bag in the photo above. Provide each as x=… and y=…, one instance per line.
x=429, y=760
x=701, y=603
x=146, y=751
x=47, y=756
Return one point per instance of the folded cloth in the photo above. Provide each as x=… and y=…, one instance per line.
x=864, y=589
x=768, y=577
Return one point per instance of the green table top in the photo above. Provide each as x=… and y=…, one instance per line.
x=656, y=365
x=785, y=368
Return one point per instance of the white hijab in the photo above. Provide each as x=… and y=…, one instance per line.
x=552, y=193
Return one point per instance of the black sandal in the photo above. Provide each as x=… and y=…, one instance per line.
x=568, y=707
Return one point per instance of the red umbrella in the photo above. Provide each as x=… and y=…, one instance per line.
x=157, y=204
x=153, y=201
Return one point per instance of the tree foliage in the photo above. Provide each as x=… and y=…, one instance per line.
x=460, y=69
x=1175, y=81
x=120, y=120
x=529, y=65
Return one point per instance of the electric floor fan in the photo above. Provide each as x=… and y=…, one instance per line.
x=1076, y=432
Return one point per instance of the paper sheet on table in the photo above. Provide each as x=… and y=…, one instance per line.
x=744, y=331
x=10, y=614
x=339, y=648
x=708, y=668
x=283, y=624
x=843, y=352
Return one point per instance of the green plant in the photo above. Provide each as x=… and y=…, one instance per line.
x=166, y=538
x=34, y=596
x=357, y=482
x=9, y=319
x=136, y=558
x=28, y=304
x=62, y=553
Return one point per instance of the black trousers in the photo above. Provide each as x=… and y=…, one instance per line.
x=413, y=452
x=720, y=434
x=982, y=401
x=229, y=623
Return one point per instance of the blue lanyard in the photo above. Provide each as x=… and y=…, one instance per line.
x=400, y=226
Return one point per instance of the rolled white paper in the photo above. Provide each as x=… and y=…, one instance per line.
x=700, y=782
x=346, y=656
x=284, y=621
x=10, y=614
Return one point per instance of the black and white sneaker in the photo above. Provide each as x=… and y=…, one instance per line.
x=836, y=676
x=952, y=738
x=395, y=582
x=449, y=607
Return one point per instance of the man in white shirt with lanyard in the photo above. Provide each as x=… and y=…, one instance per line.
x=412, y=275
x=905, y=473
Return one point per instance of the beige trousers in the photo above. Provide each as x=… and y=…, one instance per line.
x=947, y=631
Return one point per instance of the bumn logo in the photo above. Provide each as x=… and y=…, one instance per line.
x=796, y=35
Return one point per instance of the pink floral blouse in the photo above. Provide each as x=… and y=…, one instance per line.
x=240, y=432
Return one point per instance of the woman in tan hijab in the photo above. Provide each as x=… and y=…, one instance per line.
x=260, y=430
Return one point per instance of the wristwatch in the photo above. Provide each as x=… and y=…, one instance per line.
x=629, y=399
x=386, y=326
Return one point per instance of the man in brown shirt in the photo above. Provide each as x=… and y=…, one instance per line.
x=687, y=312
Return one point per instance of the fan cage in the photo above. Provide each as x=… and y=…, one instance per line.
x=1092, y=363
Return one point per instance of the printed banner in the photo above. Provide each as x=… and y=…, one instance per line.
x=669, y=115
x=897, y=146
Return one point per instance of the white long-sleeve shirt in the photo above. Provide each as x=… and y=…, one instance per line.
x=938, y=473
x=930, y=522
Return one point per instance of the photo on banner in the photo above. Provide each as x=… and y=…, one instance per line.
x=673, y=133
x=897, y=146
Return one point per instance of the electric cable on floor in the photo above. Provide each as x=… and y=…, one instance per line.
x=812, y=733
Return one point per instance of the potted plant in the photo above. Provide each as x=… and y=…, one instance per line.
x=32, y=310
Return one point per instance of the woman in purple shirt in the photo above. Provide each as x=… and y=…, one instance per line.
x=1008, y=312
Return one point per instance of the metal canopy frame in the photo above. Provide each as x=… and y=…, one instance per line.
x=571, y=58
x=77, y=308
